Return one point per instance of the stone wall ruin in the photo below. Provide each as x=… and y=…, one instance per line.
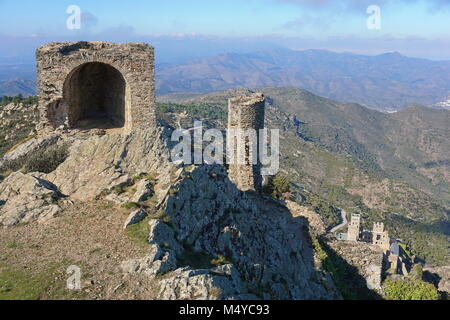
x=96, y=85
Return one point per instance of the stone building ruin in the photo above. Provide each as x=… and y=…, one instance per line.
x=246, y=114
x=96, y=85
x=354, y=228
x=380, y=237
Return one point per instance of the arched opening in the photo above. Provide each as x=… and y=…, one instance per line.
x=95, y=96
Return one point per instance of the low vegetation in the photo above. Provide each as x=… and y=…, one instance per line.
x=5, y=100
x=45, y=160
x=198, y=111
x=278, y=186
x=410, y=289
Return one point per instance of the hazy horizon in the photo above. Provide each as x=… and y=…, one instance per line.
x=183, y=30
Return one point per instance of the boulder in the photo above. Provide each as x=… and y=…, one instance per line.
x=211, y=284
x=98, y=163
x=258, y=237
x=135, y=217
x=143, y=191
x=164, y=236
x=157, y=261
x=27, y=197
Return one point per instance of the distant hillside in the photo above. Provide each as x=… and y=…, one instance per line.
x=14, y=87
x=387, y=81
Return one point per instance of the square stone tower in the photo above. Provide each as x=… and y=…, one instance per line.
x=96, y=85
x=245, y=119
x=354, y=228
x=380, y=237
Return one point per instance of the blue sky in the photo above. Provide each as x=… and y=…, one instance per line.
x=413, y=27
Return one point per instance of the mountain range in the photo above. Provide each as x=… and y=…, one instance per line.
x=384, y=82
x=17, y=86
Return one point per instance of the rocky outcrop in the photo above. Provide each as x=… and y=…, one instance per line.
x=223, y=282
x=101, y=163
x=58, y=70
x=95, y=164
x=27, y=197
x=366, y=259
x=29, y=147
x=268, y=253
x=439, y=276
x=161, y=234
x=255, y=248
x=135, y=217
x=157, y=261
x=314, y=221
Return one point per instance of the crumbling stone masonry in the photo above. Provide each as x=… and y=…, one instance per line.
x=245, y=113
x=354, y=228
x=380, y=237
x=97, y=84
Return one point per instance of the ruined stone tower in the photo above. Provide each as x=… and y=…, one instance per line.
x=96, y=84
x=354, y=228
x=380, y=237
x=245, y=119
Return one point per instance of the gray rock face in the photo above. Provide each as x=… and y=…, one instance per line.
x=101, y=163
x=223, y=282
x=267, y=246
x=161, y=234
x=157, y=261
x=30, y=146
x=440, y=276
x=25, y=198
x=135, y=217
x=367, y=259
x=143, y=191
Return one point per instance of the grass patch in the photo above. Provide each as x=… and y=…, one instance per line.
x=220, y=261
x=131, y=205
x=139, y=232
x=20, y=285
x=13, y=245
x=161, y=215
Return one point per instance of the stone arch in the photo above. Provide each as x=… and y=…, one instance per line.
x=97, y=94
x=119, y=72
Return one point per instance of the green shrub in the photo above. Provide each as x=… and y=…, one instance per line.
x=416, y=272
x=278, y=186
x=410, y=290
x=45, y=160
x=220, y=261
x=131, y=205
x=48, y=159
x=5, y=100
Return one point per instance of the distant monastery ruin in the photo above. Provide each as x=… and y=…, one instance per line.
x=378, y=237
